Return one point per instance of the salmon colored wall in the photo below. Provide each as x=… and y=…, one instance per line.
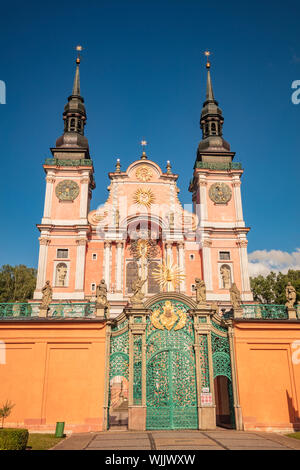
x=93, y=268
x=268, y=370
x=52, y=258
x=54, y=372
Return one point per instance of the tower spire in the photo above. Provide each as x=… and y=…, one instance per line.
x=74, y=115
x=211, y=120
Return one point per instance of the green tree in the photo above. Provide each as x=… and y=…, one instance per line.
x=5, y=410
x=271, y=289
x=17, y=283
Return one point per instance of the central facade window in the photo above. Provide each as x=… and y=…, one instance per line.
x=62, y=253
x=224, y=255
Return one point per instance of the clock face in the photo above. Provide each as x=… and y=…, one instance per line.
x=67, y=190
x=220, y=193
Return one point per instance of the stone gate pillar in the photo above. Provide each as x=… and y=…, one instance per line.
x=137, y=368
x=106, y=378
x=236, y=404
x=204, y=368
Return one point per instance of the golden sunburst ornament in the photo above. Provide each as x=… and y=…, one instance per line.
x=144, y=197
x=168, y=275
x=143, y=173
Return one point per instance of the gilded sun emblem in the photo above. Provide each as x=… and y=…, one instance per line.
x=168, y=318
x=168, y=275
x=143, y=173
x=143, y=197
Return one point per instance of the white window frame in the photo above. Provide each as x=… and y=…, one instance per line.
x=54, y=273
x=61, y=248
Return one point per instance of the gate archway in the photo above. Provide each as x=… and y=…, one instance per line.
x=171, y=390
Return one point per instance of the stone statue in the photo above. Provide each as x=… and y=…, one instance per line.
x=62, y=274
x=290, y=293
x=101, y=295
x=200, y=291
x=117, y=218
x=225, y=274
x=235, y=296
x=47, y=296
x=137, y=295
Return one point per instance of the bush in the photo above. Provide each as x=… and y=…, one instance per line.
x=13, y=439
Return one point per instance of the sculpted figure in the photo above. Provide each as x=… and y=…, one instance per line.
x=290, y=293
x=225, y=274
x=47, y=295
x=101, y=295
x=235, y=296
x=200, y=291
x=137, y=295
x=61, y=274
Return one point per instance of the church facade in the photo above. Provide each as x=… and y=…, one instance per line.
x=143, y=316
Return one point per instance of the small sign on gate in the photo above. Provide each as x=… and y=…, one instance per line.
x=206, y=399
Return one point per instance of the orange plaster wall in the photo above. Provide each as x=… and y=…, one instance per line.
x=268, y=370
x=93, y=268
x=54, y=372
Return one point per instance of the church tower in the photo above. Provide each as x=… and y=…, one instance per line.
x=216, y=189
x=69, y=184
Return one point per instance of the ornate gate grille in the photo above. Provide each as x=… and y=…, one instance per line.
x=171, y=376
x=222, y=363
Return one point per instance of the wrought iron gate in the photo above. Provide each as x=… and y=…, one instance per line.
x=222, y=363
x=171, y=376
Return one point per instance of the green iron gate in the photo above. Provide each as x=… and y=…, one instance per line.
x=222, y=363
x=171, y=376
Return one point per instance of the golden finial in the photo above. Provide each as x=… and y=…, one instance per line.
x=207, y=54
x=143, y=144
x=118, y=166
x=169, y=167
x=78, y=49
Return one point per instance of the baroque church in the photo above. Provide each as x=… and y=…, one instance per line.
x=143, y=316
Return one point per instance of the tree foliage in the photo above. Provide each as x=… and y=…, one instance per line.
x=17, y=283
x=271, y=289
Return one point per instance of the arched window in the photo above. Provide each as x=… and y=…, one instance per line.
x=153, y=286
x=72, y=124
x=132, y=272
x=79, y=125
x=61, y=275
x=225, y=275
x=213, y=128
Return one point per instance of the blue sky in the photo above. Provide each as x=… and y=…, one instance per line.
x=143, y=75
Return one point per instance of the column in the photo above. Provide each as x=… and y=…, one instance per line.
x=181, y=264
x=106, y=271
x=242, y=244
x=207, y=270
x=41, y=275
x=238, y=200
x=106, y=379
x=48, y=196
x=236, y=403
x=169, y=257
x=80, y=264
x=119, y=266
x=202, y=213
x=84, y=197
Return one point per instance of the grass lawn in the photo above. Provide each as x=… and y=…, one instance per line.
x=38, y=441
x=295, y=435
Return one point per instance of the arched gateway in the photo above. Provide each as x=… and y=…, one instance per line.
x=171, y=366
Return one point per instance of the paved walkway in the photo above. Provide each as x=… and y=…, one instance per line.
x=220, y=439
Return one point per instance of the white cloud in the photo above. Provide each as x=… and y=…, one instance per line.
x=263, y=261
